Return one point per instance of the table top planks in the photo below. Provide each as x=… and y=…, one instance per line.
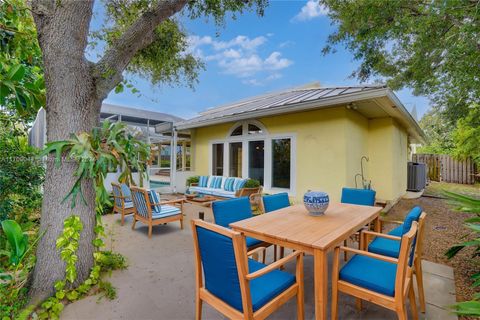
x=294, y=224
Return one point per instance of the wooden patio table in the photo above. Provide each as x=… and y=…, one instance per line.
x=294, y=228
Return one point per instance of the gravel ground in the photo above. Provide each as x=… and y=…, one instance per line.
x=444, y=228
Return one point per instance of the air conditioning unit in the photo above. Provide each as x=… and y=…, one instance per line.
x=416, y=176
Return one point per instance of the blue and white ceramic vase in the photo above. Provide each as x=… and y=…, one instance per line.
x=316, y=202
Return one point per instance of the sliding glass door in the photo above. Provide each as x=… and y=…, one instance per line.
x=235, y=156
x=256, y=160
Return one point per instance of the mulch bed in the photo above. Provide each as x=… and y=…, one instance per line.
x=444, y=228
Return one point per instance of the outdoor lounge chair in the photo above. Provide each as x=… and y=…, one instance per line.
x=150, y=211
x=391, y=246
x=233, y=210
x=382, y=280
x=122, y=200
x=362, y=197
x=233, y=284
x=275, y=202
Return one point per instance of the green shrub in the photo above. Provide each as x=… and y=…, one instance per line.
x=252, y=183
x=192, y=179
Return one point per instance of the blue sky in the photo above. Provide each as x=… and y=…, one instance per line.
x=253, y=55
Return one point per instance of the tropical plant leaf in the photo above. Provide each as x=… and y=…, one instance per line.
x=16, y=72
x=17, y=240
x=471, y=308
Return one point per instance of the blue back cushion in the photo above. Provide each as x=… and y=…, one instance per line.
x=229, y=182
x=153, y=198
x=239, y=183
x=202, y=181
x=413, y=215
x=140, y=203
x=228, y=211
x=362, y=197
x=219, y=266
x=117, y=193
x=126, y=192
x=276, y=201
x=215, y=183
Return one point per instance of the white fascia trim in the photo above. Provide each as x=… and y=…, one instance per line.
x=413, y=123
x=303, y=106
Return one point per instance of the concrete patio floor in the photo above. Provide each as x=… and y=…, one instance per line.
x=159, y=282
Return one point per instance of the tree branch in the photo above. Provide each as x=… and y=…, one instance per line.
x=108, y=71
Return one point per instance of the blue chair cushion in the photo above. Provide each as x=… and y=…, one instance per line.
x=221, y=273
x=250, y=242
x=276, y=201
x=126, y=192
x=398, y=231
x=264, y=288
x=413, y=215
x=369, y=273
x=363, y=197
x=153, y=198
x=385, y=247
x=166, y=211
x=228, y=186
x=232, y=210
x=128, y=204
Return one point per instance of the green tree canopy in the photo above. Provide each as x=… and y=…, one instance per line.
x=22, y=88
x=430, y=46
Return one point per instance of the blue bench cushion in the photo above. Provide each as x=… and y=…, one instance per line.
x=371, y=274
x=239, y=183
x=213, y=192
x=276, y=201
x=250, y=242
x=363, y=197
x=228, y=186
x=385, y=247
x=166, y=211
x=202, y=181
x=264, y=288
x=215, y=182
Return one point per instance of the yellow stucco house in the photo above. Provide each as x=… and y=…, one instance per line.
x=309, y=138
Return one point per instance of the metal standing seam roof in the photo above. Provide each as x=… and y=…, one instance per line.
x=276, y=100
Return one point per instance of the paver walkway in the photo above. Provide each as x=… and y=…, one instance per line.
x=159, y=283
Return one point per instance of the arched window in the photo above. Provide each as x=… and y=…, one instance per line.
x=251, y=127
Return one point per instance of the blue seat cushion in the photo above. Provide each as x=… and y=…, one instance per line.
x=276, y=201
x=413, y=215
x=166, y=211
x=398, y=231
x=264, y=288
x=385, y=247
x=128, y=204
x=252, y=242
x=369, y=273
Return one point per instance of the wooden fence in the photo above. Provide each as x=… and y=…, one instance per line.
x=442, y=167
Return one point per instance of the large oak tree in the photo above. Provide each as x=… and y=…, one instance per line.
x=140, y=36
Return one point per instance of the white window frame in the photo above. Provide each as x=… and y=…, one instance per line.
x=245, y=139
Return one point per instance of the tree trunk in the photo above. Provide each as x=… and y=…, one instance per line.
x=72, y=107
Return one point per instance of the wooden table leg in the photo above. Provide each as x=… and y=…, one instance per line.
x=321, y=284
x=377, y=225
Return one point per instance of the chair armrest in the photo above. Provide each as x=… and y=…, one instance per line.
x=256, y=250
x=277, y=264
x=171, y=201
x=381, y=235
x=369, y=254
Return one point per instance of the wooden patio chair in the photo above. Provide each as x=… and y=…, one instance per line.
x=150, y=211
x=389, y=245
x=362, y=197
x=122, y=201
x=233, y=284
x=233, y=210
x=382, y=280
x=275, y=202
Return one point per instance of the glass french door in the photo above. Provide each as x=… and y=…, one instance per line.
x=236, y=152
x=256, y=160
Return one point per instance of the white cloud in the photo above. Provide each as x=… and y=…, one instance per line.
x=239, y=56
x=311, y=10
x=286, y=44
x=262, y=82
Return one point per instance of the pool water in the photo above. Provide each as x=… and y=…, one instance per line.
x=158, y=184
